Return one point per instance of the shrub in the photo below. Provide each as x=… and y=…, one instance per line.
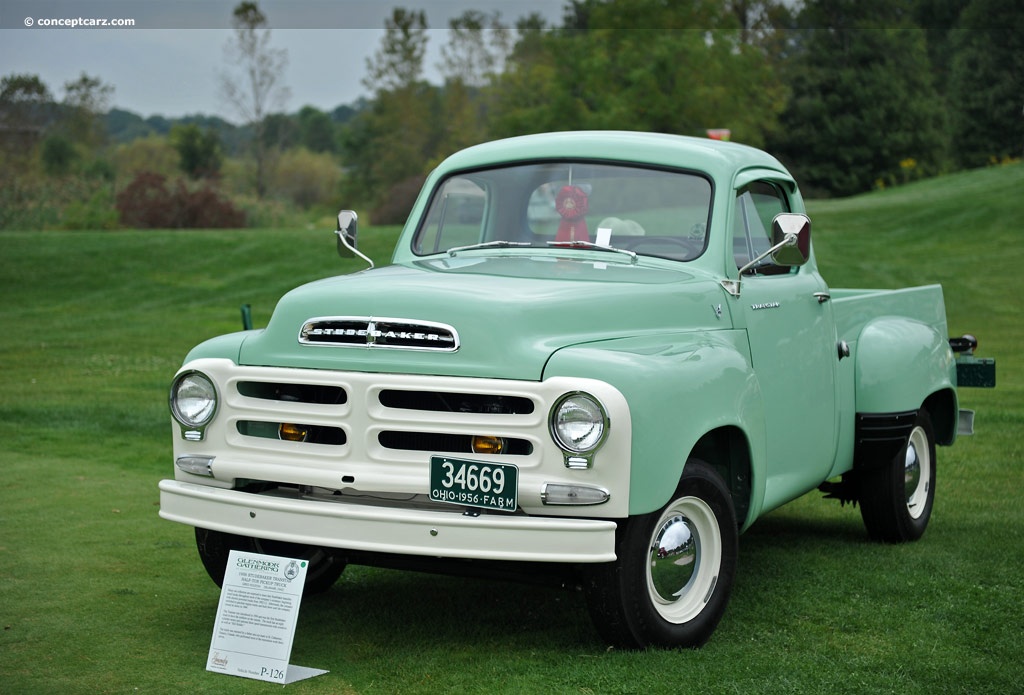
x=95, y=212
x=149, y=202
x=205, y=209
x=146, y=203
x=305, y=178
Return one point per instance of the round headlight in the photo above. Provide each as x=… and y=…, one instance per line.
x=578, y=422
x=193, y=399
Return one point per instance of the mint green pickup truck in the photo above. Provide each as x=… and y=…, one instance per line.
x=595, y=358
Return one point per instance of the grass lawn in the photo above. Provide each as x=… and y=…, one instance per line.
x=98, y=595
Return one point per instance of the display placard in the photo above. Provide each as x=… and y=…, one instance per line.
x=256, y=617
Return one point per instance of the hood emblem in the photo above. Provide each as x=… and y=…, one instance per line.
x=373, y=332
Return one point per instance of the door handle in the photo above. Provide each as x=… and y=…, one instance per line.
x=822, y=297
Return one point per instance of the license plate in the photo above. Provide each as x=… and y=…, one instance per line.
x=474, y=483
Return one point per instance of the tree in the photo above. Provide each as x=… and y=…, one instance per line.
x=675, y=67
x=85, y=100
x=524, y=91
x=23, y=102
x=199, y=150
x=256, y=87
x=398, y=63
x=477, y=49
x=58, y=155
x=987, y=83
x=863, y=109
x=393, y=141
x=316, y=130
x=476, y=52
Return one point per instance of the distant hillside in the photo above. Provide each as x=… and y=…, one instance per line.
x=961, y=230
x=125, y=126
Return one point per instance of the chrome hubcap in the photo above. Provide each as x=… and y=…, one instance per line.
x=917, y=473
x=684, y=559
x=674, y=558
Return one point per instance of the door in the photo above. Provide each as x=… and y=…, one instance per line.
x=792, y=339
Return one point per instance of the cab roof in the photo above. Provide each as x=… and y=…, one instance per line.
x=720, y=159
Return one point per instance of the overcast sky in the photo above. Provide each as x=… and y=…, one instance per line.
x=167, y=64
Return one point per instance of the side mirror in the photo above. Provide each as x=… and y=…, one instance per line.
x=347, y=232
x=791, y=245
x=791, y=239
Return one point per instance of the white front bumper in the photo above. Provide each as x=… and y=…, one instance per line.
x=389, y=529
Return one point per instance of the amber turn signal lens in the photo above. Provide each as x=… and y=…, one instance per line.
x=488, y=445
x=292, y=433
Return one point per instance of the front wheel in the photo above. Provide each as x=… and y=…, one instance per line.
x=671, y=582
x=215, y=547
x=896, y=498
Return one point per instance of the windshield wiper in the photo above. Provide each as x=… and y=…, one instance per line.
x=580, y=244
x=500, y=243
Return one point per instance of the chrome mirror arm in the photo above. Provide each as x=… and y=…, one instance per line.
x=353, y=251
x=733, y=286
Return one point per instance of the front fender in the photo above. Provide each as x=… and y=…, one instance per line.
x=899, y=364
x=223, y=346
x=678, y=387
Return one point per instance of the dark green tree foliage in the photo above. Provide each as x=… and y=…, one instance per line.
x=199, y=150
x=279, y=131
x=938, y=18
x=58, y=155
x=525, y=90
x=863, y=108
x=986, y=91
x=316, y=130
x=656, y=65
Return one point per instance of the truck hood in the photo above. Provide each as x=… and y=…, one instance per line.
x=509, y=314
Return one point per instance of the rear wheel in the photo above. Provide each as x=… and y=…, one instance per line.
x=671, y=582
x=896, y=498
x=215, y=546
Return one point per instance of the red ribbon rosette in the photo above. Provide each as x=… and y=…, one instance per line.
x=571, y=204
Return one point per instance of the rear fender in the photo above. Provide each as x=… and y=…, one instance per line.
x=899, y=364
x=678, y=388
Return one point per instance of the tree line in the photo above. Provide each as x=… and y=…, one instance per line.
x=851, y=94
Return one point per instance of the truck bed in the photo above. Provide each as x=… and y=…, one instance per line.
x=855, y=307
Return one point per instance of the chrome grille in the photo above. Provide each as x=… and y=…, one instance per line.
x=372, y=332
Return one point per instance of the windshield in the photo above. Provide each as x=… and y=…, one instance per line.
x=584, y=205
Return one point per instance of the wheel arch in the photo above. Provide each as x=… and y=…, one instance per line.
x=727, y=450
x=943, y=410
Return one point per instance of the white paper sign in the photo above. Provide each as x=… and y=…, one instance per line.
x=256, y=616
